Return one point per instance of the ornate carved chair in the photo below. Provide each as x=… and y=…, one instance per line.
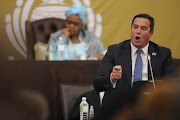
x=39, y=31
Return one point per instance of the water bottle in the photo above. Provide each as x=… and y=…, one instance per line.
x=72, y=53
x=91, y=113
x=51, y=53
x=60, y=49
x=84, y=109
x=66, y=48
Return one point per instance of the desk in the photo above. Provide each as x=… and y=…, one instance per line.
x=45, y=76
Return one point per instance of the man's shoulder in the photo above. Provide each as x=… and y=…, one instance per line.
x=158, y=47
x=160, y=50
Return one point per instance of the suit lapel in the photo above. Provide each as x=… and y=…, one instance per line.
x=153, y=58
x=127, y=61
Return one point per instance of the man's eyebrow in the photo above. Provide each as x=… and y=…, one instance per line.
x=144, y=26
x=135, y=25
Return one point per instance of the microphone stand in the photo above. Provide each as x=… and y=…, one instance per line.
x=149, y=59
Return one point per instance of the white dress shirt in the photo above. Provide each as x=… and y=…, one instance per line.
x=144, y=55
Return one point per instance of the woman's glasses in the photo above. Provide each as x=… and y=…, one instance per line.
x=74, y=23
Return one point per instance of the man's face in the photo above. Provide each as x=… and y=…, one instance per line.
x=140, y=32
x=73, y=23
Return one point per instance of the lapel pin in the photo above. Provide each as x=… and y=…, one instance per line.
x=154, y=54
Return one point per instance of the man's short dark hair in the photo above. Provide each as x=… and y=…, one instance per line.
x=151, y=19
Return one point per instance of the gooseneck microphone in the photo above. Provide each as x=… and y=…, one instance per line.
x=149, y=59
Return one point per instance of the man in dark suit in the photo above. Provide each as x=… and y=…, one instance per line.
x=118, y=69
x=128, y=63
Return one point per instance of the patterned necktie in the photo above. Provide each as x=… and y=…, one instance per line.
x=138, y=67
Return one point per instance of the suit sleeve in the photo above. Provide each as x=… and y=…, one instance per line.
x=169, y=68
x=102, y=81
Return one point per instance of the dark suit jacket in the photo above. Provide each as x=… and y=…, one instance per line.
x=120, y=54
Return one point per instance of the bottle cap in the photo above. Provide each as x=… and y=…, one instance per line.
x=50, y=47
x=83, y=98
x=60, y=38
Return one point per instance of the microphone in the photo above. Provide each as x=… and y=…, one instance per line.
x=149, y=59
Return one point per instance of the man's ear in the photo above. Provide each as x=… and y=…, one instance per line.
x=151, y=33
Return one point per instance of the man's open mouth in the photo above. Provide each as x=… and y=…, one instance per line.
x=137, y=38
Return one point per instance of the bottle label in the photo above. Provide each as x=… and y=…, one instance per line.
x=60, y=47
x=85, y=116
x=81, y=108
x=66, y=52
x=85, y=108
x=51, y=56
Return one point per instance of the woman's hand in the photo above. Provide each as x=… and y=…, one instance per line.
x=98, y=56
x=66, y=32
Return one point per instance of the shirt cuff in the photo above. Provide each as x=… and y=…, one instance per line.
x=113, y=84
x=104, y=52
x=101, y=95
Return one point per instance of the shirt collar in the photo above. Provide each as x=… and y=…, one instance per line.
x=134, y=49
